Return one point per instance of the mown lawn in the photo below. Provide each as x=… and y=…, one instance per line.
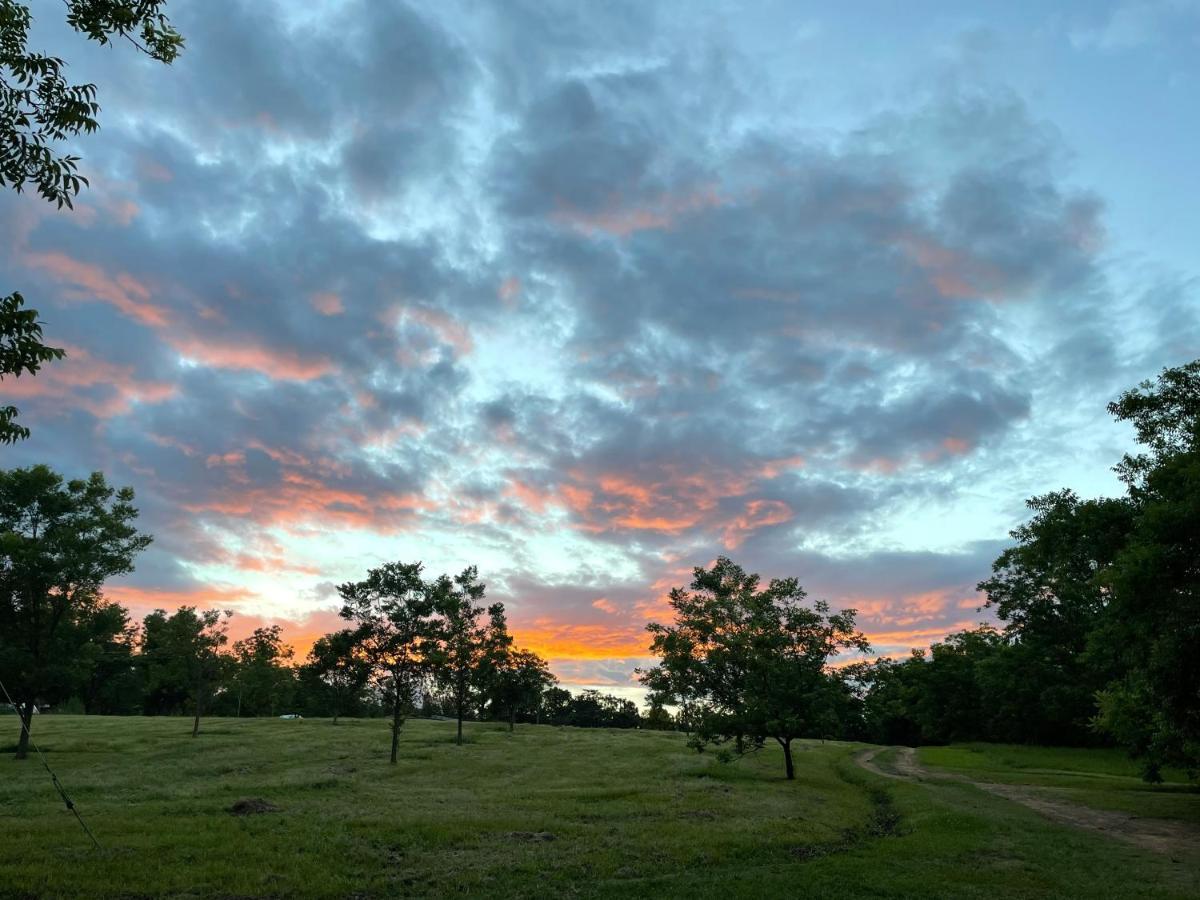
x=545, y=812
x=1105, y=779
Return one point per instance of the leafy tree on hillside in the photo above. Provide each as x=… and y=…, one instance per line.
x=393, y=610
x=335, y=672
x=59, y=542
x=749, y=663
x=39, y=109
x=182, y=657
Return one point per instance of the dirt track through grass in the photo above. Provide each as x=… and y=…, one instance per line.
x=1174, y=839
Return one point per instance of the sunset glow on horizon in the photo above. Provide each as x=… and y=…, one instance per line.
x=592, y=295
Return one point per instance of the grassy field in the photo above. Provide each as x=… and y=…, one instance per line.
x=545, y=812
x=1105, y=779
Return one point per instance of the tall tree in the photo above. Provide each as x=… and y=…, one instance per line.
x=59, y=542
x=38, y=110
x=748, y=663
x=459, y=652
x=393, y=610
x=1153, y=629
x=182, y=657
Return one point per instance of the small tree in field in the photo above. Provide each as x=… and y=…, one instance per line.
x=458, y=655
x=59, y=542
x=393, y=609
x=748, y=663
x=338, y=671
x=518, y=683
x=182, y=655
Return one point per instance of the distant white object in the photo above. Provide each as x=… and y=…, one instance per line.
x=292, y=716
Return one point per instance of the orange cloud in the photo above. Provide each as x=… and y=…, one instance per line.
x=122, y=291
x=80, y=381
x=280, y=365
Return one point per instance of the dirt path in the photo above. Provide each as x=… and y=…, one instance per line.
x=1160, y=835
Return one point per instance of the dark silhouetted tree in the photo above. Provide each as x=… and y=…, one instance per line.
x=393, y=609
x=59, y=542
x=335, y=673
x=748, y=663
x=182, y=657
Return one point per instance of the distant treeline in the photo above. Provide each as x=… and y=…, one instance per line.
x=148, y=669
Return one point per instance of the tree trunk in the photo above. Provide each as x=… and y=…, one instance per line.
x=25, y=714
x=199, y=708
x=395, y=724
x=335, y=715
x=460, y=718
x=512, y=719
x=787, y=759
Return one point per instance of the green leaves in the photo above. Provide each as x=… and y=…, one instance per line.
x=21, y=351
x=746, y=662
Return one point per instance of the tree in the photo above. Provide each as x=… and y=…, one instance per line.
x=183, y=659
x=748, y=663
x=38, y=109
x=518, y=684
x=59, y=542
x=262, y=673
x=1153, y=626
x=113, y=686
x=337, y=673
x=458, y=654
x=393, y=611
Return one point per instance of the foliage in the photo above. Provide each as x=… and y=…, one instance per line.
x=334, y=676
x=393, y=611
x=59, y=542
x=518, y=684
x=21, y=351
x=457, y=653
x=749, y=663
x=262, y=680
x=183, y=660
x=38, y=109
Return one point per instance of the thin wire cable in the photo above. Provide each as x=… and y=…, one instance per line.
x=62, y=791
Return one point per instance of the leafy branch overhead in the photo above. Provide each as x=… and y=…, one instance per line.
x=40, y=109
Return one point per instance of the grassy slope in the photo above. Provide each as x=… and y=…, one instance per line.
x=1105, y=779
x=633, y=813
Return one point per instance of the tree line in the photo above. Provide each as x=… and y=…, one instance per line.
x=412, y=645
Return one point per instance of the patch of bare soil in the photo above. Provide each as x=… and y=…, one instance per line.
x=1160, y=835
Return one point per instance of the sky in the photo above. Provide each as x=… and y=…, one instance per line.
x=588, y=294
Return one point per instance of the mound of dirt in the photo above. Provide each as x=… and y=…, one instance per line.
x=254, y=807
x=535, y=836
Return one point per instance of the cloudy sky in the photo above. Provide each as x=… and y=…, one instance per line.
x=587, y=294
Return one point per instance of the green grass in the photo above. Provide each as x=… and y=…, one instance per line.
x=1105, y=779
x=631, y=814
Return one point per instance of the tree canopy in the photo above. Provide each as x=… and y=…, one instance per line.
x=748, y=663
x=59, y=542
